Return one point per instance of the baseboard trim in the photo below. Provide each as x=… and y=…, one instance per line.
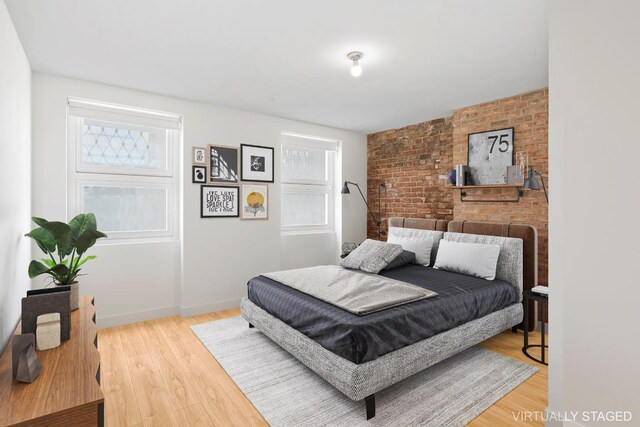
x=141, y=316
x=138, y=316
x=211, y=307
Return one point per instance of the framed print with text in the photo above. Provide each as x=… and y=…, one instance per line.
x=489, y=155
x=219, y=201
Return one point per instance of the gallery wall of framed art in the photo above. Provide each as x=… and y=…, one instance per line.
x=230, y=177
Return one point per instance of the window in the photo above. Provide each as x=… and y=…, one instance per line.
x=123, y=168
x=308, y=183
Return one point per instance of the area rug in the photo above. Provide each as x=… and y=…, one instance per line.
x=287, y=393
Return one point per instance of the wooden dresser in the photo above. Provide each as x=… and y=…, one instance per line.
x=67, y=392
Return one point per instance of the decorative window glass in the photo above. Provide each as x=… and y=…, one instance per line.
x=117, y=146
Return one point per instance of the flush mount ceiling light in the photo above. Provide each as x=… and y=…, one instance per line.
x=356, y=69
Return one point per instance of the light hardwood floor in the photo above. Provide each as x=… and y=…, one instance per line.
x=158, y=373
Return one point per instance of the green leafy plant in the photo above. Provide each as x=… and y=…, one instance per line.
x=65, y=244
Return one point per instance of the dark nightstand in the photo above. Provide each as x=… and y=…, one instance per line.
x=541, y=299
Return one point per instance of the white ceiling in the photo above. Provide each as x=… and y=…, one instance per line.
x=422, y=58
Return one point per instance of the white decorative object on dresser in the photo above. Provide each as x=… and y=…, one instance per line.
x=48, y=331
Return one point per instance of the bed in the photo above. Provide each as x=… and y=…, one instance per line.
x=360, y=355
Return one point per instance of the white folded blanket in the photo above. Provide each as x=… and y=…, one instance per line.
x=352, y=290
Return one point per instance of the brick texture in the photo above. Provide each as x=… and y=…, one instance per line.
x=413, y=163
x=528, y=114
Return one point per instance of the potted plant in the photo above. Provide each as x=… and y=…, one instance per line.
x=65, y=245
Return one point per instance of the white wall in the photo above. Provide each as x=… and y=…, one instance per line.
x=15, y=175
x=594, y=149
x=133, y=282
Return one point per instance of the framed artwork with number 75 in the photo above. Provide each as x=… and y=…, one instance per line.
x=489, y=154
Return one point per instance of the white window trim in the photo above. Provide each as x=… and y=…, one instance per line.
x=327, y=186
x=307, y=141
x=78, y=174
x=125, y=114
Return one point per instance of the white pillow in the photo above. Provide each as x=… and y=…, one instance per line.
x=419, y=245
x=471, y=259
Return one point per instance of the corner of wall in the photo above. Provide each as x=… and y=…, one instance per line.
x=15, y=175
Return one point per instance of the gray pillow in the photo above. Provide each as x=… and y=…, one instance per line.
x=372, y=256
x=406, y=257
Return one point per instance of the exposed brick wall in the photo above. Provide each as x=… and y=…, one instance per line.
x=528, y=114
x=412, y=162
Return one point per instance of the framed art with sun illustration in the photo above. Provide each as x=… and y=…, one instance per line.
x=255, y=201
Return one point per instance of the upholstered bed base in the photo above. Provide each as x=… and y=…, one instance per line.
x=361, y=381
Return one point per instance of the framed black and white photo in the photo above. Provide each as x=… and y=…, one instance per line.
x=489, y=155
x=219, y=201
x=199, y=175
x=223, y=164
x=199, y=156
x=255, y=201
x=256, y=163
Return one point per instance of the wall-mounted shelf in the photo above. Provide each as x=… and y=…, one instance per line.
x=463, y=187
x=519, y=192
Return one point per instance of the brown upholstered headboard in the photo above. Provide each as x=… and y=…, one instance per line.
x=527, y=233
x=419, y=223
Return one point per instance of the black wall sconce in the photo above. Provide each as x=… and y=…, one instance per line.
x=377, y=221
x=531, y=183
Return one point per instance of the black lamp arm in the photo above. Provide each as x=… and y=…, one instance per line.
x=544, y=186
x=377, y=221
